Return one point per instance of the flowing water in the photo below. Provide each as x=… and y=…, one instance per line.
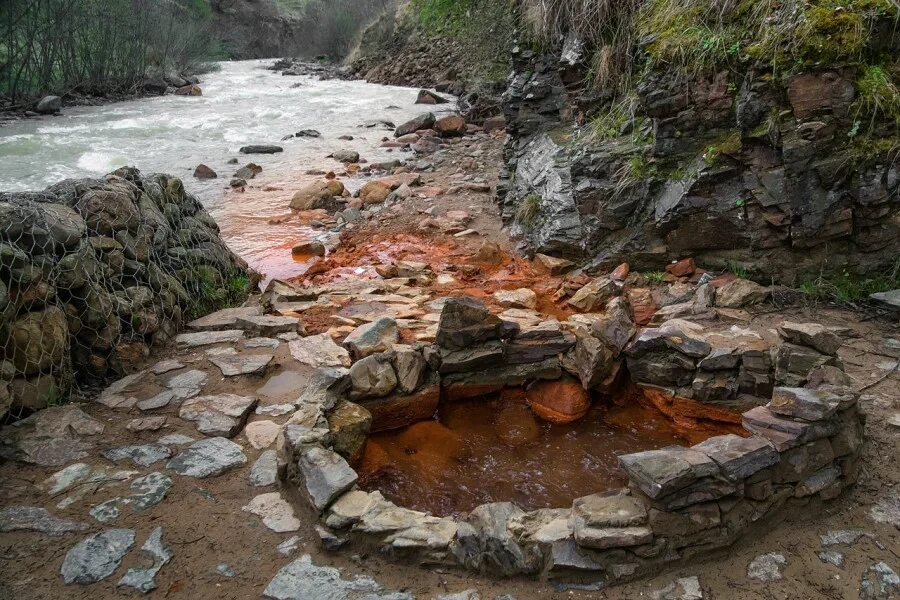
x=243, y=103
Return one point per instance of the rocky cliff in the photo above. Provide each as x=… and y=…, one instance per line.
x=95, y=271
x=782, y=170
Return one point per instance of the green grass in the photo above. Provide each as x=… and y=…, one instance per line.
x=529, y=211
x=848, y=289
x=737, y=269
x=208, y=295
x=656, y=276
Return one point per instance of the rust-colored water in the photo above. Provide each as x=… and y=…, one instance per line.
x=493, y=449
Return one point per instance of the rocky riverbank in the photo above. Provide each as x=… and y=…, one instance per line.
x=169, y=478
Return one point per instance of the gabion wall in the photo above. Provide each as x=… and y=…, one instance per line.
x=95, y=271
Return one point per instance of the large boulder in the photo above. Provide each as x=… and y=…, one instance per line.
x=559, y=402
x=320, y=194
x=38, y=341
x=378, y=336
x=425, y=121
x=465, y=321
x=49, y=105
x=450, y=126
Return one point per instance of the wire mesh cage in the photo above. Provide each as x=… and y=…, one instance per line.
x=95, y=272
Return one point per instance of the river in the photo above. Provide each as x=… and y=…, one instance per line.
x=242, y=103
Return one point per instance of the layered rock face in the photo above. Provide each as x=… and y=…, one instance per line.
x=94, y=271
x=759, y=172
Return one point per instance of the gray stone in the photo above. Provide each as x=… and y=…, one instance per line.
x=276, y=513
x=608, y=510
x=302, y=580
x=222, y=415
x=288, y=546
x=66, y=478
x=233, y=365
x=142, y=455
x=207, y=458
x=879, y=582
x=49, y=105
x=262, y=342
x=887, y=510
x=832, y=557
x=207, y=338
x=409, y=365
x=143, y=579
x=188, y=384
x=767, y=567
x=150, y=490
x=484, y=542
x=595, y=294
x=471, y=594
x=378, y=336
x=372, y=377
x=319, y=351
x=464, y=322
x=31, y=518
x=346, y=156
x=889, y=300
x=804, y=403
x=520, y=298
x=261, y=149
x=785, y=433
x=325, y=475
x=119, y=394
x=474, y=358
x=662, y=472
x=50, y=437
x=268, y=325
x=97, y=556
x=684, y=588
x=166, y=366
x=739, y=457
x=175, y=439
x=817, y=482
x=264, y=471
x=147, y=423
x=225, y=570
x=591, y=360
x=842, y=537
x=108, y=511
x=225, y=319
x=813, y=335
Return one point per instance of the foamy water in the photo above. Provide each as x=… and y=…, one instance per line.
x=243, y=103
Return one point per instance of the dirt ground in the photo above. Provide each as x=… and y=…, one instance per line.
x=205, y=527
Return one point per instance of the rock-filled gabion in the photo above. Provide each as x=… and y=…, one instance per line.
x=95, y=271
x=800, y=442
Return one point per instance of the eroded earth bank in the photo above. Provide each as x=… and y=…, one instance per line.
x=422, y=411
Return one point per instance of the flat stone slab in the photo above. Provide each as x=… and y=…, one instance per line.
x=120, y=394
x=51, y=437
x=233, y=365
x=175, y=439
x=277, y=514
x=147, y=423
x=683, y=588
x=319, y=351
x=97, y=556
x=264, y=471
x=737, y=456
x=886, y=510
x=661, y=472
x=222, y=415
x=142, y=455
x=166, y=366
x=32, y=518
x=262, y=434
x=268, y=325
x=803, y=403
x=143, y=579
x=187, y=384
x=159, y=400
x=813, y=335
x=767, y=567
x=207, y=458
x=207, y=338
x=225, y=319
x=302, y=580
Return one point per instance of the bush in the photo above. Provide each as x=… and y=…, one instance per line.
x=98, y=46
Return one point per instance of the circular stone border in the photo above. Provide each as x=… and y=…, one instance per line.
x=804, y=444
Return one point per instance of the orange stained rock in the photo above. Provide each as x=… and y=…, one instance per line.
x=559, y=402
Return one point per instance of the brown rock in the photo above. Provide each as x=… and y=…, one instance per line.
x=551, y=264
x=810, y=93
x=620, y=272
x=317, y=195
x=642, y=305
x=374, y=192
x=428, y=97
x=683, y=268
x=494, y=124
x=204, y=172
x=450, y=126
x=349, y=424
x=396, y=411
x=559, y=402
x=189, y=90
